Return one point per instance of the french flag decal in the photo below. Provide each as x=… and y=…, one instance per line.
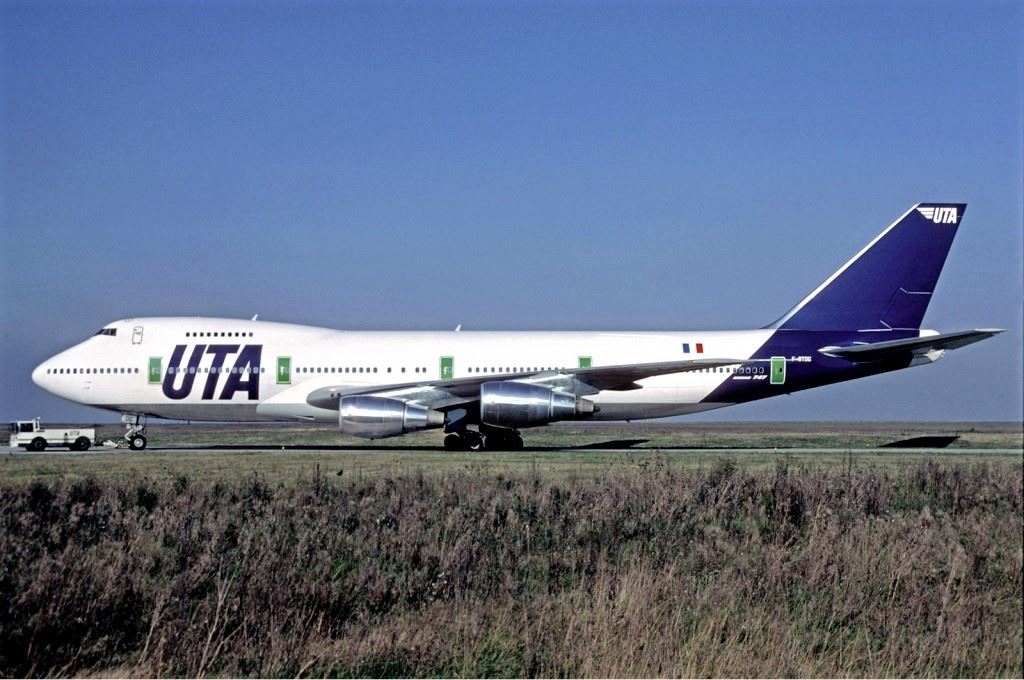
x=699, y=347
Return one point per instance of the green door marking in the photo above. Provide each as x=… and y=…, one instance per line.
x=585, y=362
x=778, y=370
x=447, y=368
x=284, y=370
x=156, y=370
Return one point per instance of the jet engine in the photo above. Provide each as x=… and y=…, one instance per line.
x=511, y=404
x=377, y=417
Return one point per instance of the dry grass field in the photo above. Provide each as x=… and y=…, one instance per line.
x=601, y=561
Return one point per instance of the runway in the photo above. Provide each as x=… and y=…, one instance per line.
x=349, y=450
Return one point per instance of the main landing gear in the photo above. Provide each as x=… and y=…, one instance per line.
x=136, y=430
x=470, y=440
x=461, y=438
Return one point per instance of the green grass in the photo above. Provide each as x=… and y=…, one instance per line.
x=279, y=452
x=359, y=465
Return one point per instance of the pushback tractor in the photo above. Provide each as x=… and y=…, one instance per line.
x=32, y=436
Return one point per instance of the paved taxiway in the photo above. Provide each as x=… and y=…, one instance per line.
x=538, y=450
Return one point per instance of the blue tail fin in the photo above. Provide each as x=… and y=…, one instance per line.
x=889, y=283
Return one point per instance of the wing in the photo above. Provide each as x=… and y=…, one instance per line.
x=890, y=349
x=448, y=394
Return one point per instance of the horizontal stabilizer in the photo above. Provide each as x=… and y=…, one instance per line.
x=878, y=351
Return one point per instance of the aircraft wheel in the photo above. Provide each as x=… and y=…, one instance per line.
x=81, y=444
x=454, y=442
x=37, y=444
x=137, y=442
x=504, y=442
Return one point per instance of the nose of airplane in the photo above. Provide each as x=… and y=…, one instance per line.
x=39, y=374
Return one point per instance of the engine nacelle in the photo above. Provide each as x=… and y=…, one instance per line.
x=511, y=404
x=377, y=417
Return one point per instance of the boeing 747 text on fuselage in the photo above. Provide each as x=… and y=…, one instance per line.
x=484, y=387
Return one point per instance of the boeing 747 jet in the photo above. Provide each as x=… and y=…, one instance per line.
x=483, y=388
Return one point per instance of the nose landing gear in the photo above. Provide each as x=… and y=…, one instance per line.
x=136, y=429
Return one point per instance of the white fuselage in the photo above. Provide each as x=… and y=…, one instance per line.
x=239, y=370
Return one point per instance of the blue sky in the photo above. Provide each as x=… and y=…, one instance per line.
x=500, y=165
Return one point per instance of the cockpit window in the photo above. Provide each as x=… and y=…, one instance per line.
x=107, y=331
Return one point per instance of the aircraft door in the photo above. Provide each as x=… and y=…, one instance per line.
x=778, y=374
x=137, y=335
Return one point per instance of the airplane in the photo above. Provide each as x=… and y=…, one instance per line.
x=484, y=387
